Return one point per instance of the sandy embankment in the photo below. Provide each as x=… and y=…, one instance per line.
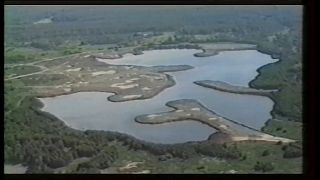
x=222, y=86
x=228, y=130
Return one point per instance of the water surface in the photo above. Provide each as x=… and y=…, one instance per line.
x=92, y=110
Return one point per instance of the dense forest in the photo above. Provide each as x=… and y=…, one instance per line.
x=96, y=24
x=43, y=142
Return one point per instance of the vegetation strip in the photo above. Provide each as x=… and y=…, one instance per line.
x=223, y=86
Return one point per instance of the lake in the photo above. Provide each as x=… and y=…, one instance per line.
x=92, y=110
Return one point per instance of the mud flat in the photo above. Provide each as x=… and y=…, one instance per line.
x=188, y=109
x=222, y=86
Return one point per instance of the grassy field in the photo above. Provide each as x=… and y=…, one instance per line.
x=282, y=128
x=20, y=70
x=27, y=54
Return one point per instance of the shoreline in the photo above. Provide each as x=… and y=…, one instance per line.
x=206, y=52
x=250, y=84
